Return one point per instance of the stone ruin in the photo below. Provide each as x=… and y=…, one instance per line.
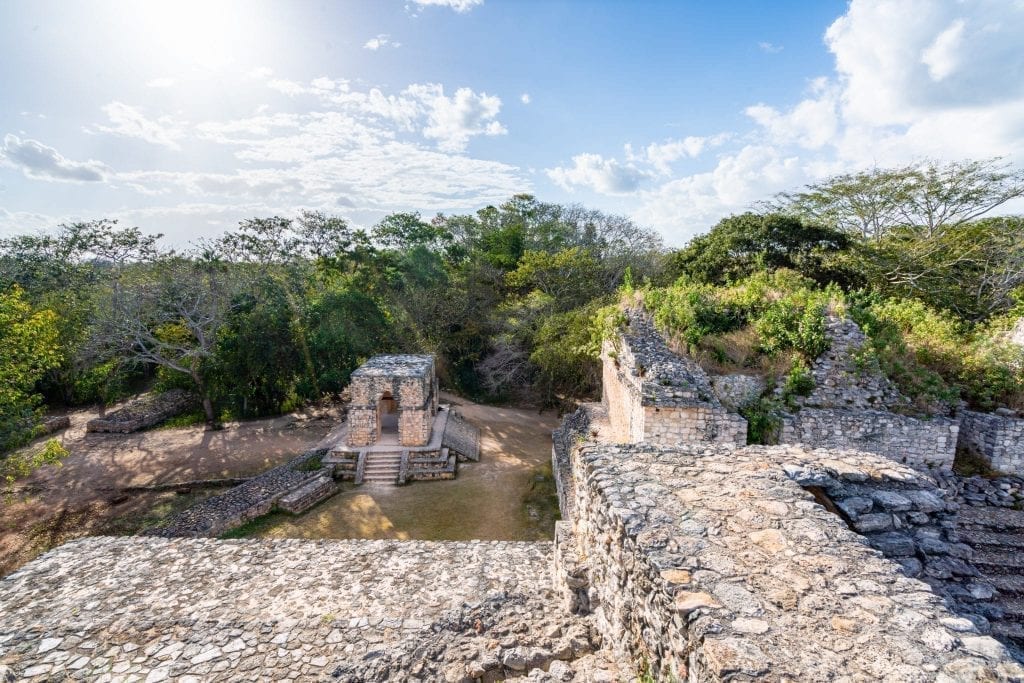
x=692, y=559
x=855, y=406
x=396, y=394
x=655, y=396
x=394, y=403
x=143, y=412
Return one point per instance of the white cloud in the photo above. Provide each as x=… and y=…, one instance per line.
x=130, y=122
x=452, y=121
x=525, y=98
x=41, y=162
x=912, y=79
x=165, y=82
x=592, y=171
x=457, y=5
x=662, y=154
x=770, y=48
x=381, y=40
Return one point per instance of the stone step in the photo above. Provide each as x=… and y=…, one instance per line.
x=994, y=518
x=1011, y=630
x=1013, y=609
x=999, y=561
x=992, y=539
x=1007, y=584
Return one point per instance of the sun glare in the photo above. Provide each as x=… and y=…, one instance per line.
x=195, y=33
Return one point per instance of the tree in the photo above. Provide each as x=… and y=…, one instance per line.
x=925, y=197
x=740, y=246
x=973, y=269
x=29, y=346
x=170, y=315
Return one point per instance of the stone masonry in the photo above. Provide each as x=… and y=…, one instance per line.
x=655, y=396
x=709, y=563
x=999, y=439
x=150, y=609
x=406, y=380
x=926, y=444
x=852, y=407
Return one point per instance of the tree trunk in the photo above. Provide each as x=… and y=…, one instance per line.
x=208, y=411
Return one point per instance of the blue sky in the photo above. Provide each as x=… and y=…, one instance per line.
x=184, y=117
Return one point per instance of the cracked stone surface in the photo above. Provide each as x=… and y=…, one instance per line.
x=152, y=609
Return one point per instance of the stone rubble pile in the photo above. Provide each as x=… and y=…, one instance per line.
x=142, y=412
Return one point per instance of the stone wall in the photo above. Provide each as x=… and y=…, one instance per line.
x=143, y=412
x=997, y=438
x=653, y=395
x=737, y=391
x=709, y=563
x=408, y=379
x=928, y=444
x=255, y=498
x=847, y=378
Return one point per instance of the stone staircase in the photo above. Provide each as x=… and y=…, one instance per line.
x=997, y=536
x=382, y=467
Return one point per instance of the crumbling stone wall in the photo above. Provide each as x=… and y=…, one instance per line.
x=928, y=444
x=653, y=395
x=845, y=376
x=709, y=563
x=737, y=391
x=852, y=404
x=997, y=438
x=143, y=412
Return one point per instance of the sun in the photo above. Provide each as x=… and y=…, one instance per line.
x=207, y=34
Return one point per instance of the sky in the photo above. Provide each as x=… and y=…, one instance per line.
x=185, y=117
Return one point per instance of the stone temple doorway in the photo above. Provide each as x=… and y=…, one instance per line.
x=387, y=419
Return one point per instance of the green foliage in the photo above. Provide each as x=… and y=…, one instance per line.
x=764, y=421
x=20, y=464
x=799, y=381
x=254, y=368
x=690, y=311
x=343, y=327
x=566, y=355
x=29, y=346
x=107, y=382
x=741, y=246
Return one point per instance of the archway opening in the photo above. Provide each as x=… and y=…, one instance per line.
x=387, y=419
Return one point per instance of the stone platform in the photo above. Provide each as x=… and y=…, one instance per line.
x=150, y=609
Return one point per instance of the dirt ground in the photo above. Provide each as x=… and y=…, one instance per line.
x=508, y=495
x=57, y=504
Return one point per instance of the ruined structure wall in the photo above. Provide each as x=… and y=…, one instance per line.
x=712, y=564
x=620, y=394
x=997, y=438
x=922, y=443
x=415, y=397
x=655, y=396
x=707, y=423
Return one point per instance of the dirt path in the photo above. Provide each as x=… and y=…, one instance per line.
x=71, y=503
x=506, y=496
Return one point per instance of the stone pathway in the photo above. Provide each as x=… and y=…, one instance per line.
x=151, y=609
x=997, y=537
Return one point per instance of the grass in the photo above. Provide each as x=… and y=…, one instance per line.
x=540, y=504
x=167, y=505
x=257, y=526
x=190, y=418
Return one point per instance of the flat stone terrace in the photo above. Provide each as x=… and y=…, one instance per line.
x=396, y=365
x=713, y=563
x=151, y=609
